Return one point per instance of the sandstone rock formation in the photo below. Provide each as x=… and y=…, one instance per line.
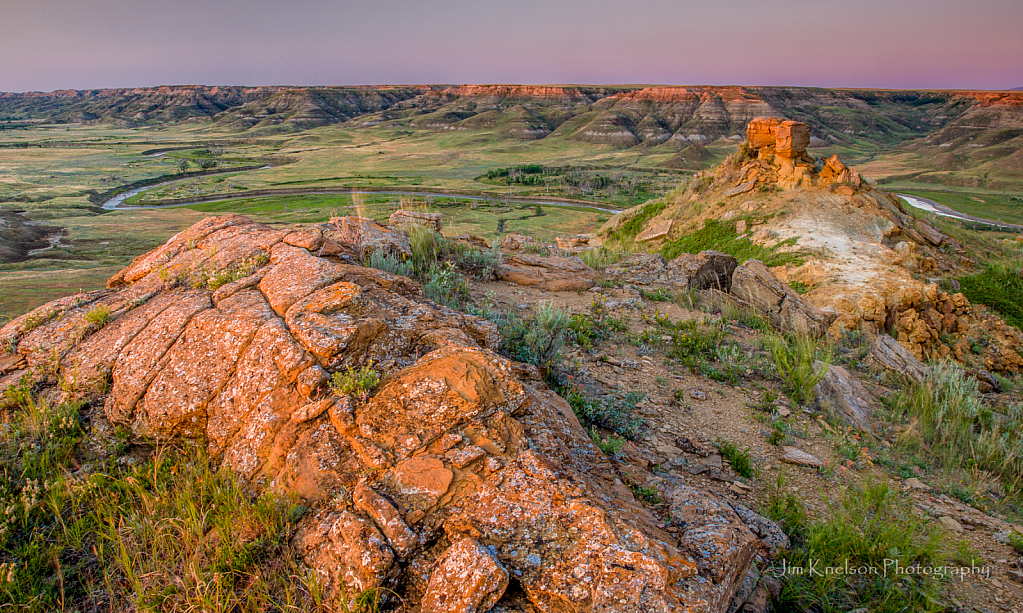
x=556, y=274
x=459, y=474
x=780, y=148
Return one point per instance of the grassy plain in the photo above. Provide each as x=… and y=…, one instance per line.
x=54, y=173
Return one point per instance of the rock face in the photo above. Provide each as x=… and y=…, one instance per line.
x=554, y=274
x=793, y=139
x=762, y=132
x=754, y=284
x=456, y=474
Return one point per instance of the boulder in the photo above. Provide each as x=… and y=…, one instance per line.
x=577, y=242
x=793, y=139
x=515, y=242
x=410, y=219
x=844, y=396
x=931, y=234
x=741, y=188
x=656, y=231
x=556, y=274
x=360, y=236
x=641, y=268
x=466, y=578
x=705, y=270
x=458, y=471
x=888, y=354
x=755, y=285
x=762, y=132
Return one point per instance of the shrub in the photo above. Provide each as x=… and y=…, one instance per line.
x=390, y=263
x=355, y=382
x=611, y=412
x=795, y=358
x=692, y=344
x=443, y=285
x=98, y=316
x=537, y=340
x=482, y=264
x=587, y=329
x=1016, y=541
x=611, y=446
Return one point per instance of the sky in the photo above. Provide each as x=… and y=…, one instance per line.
x=900, y=44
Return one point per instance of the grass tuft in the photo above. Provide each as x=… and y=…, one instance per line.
x=868, y=527
x=795, y=358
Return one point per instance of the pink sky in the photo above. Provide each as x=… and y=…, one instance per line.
x=906, y=44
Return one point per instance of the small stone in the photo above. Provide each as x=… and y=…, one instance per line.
x=1015, y=575
x=915, y=484
x=783, y=412
x=463, y=457
x=697, y=394
x=800, y=458
x=949, y=523
x=690, y=446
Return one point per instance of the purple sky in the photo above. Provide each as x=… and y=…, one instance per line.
x=82, y=44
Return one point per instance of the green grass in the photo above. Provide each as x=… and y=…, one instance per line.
x=738, y=458
x=165, y=530
x=1000, y=287
x=637, y=222
x=867, y=527
x=721, y=236
x=951, y=428
x=794, y=358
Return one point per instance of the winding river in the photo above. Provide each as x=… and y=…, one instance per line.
x=118, y=202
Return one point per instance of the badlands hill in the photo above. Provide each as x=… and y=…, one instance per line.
x=938, y=133
x=860, y=258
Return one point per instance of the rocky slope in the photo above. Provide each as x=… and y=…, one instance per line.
x=458, y=480
x=868, y=266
